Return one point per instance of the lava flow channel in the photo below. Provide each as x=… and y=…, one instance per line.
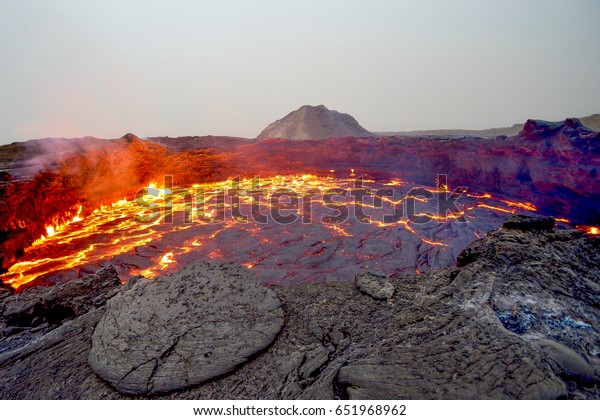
x=163, y=230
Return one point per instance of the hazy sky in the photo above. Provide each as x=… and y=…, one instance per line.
x=104, y=68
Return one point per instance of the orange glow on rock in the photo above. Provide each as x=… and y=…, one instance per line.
x=132, y=230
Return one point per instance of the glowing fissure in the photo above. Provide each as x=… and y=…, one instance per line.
x=53, y=228
x=133, y=234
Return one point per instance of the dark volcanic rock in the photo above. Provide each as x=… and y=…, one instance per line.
x=571, y=130
x=27, y=315
x=180, y=330
x=376, y=286
x=221, y=143
x=569, y=363
x=522, y=222
x=314, y=123
x=44, y=329
x=65, y=300
x=491, y=329
x=519, y=320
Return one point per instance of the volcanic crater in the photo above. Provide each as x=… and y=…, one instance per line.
x=131, y=267
x=342, y=205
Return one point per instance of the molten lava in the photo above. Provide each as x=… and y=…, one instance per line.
x=51, y=230
x=590, y=230
x=166, y=260
x=287, y=229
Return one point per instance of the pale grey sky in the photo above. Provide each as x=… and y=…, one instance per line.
x=104, y=68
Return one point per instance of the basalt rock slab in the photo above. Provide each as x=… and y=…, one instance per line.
x=376, y=286
x=569, y=364
x=183, y=329
x=27, y=315
x=519, y=319
x=64, y=300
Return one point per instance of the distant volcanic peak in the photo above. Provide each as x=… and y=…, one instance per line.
x=314, y=123
x=130, y=137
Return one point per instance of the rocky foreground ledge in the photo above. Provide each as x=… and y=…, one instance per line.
x=519, y=317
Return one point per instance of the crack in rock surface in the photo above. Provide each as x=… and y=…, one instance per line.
x=183, y=329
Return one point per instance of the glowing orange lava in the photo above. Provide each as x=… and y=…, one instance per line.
x=166, y=259
x=590, y=230
x=51, y=230
x=127, y=230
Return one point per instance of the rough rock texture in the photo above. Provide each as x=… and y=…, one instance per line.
x=220, y=143
x=512, y=323
x=24, y=316
x=183, y=329
x=376, y=286
x=519, y=318
x=521, y=222
x=41, y=349
x=314, y=123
